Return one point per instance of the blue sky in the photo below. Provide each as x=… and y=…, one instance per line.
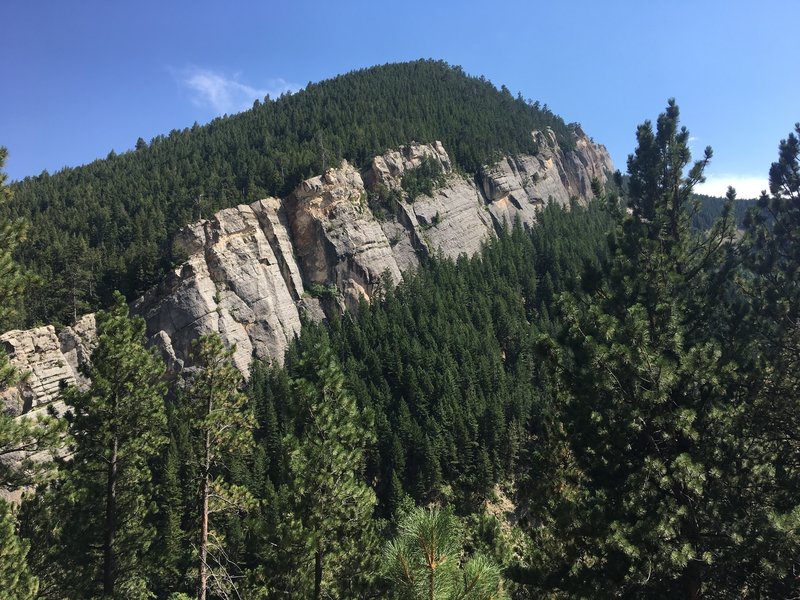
x=82, y=78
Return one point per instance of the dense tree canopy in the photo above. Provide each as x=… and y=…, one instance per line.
x=602, y=405
x=137, y=200
x=100, y=511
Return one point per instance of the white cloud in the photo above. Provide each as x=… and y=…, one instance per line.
x=746, y=186
x=227, y=94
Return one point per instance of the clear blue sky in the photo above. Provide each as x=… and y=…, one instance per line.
x=82, y=78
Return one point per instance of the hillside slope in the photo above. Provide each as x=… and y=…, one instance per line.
x=252, y=271
x=108, y=225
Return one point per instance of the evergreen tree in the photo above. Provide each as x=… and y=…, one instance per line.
x=425, y=561
x=117, y=427
x=22, y=438
x=771, y=283
x=222, y=424
x=12, y=232
x=659, y=492
x=333, y=506
x=16, y=580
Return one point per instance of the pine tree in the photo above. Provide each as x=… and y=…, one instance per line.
x=660, y=490
x=169, y=549
x=222, y=425
x=12, y=232
x=117, y=427
x=771, y=283
x=425, y=561
x=333, y=506
x=21, y=439
x=16, y=580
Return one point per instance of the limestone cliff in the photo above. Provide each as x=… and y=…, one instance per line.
x=253, y=270
x=48, y=362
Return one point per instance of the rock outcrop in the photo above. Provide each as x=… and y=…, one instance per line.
x=337, y=238
x=518, y=186
x=240, y=280
x=48, y=363
x=253, y=270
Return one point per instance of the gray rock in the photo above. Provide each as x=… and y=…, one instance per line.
x=518, y=186
x=48, y=365
x=232, y=284
x=453, y=221
x=248, y=269
x=388, y=169
x=337, y=239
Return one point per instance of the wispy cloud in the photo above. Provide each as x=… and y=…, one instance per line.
x=226, y=94
x=747, y=186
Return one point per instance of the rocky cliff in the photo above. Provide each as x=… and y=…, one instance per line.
x=253, y=271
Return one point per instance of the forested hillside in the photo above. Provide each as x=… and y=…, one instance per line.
x=107, y=226
x=601, y=405
x=711, y=208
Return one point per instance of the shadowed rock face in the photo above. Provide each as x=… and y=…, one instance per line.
x=253, y=270
x=518, y=186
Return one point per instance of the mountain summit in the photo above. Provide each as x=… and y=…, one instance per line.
x=109, y=225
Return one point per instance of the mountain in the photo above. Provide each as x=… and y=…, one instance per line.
x=108, y=225
x=595, y=395
x=251, y=272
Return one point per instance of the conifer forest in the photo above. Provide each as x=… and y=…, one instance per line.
x=605, y=404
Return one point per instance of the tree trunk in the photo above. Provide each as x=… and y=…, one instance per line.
x=109, y=554
x=318, y=574
x=692, y=580
x=203, y=584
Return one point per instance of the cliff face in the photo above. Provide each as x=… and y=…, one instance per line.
x=50, y=362
x=240, y=280
x=253, y=270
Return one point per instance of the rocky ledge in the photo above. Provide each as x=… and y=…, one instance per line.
x=254, y=270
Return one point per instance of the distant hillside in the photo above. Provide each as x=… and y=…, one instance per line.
x=107, y=225
x=711, y=209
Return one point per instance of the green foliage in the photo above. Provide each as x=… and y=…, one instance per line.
x=221, y=423
x=139, y=199
x=629, y=379
x=383, y=201
x=20, y=439
x=24, y=443
x=423, y=179
x=325, y=292
x=332, y=506
x=12, y=279
x=16, y=580
x=771, y=322
x=710, y=209
x=425, y=561
x=661, y=490
x=446, y=360
x=100, y=512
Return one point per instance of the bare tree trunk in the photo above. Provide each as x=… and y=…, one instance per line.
x=109, y=554
x=201, y=592
x=692, y=580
